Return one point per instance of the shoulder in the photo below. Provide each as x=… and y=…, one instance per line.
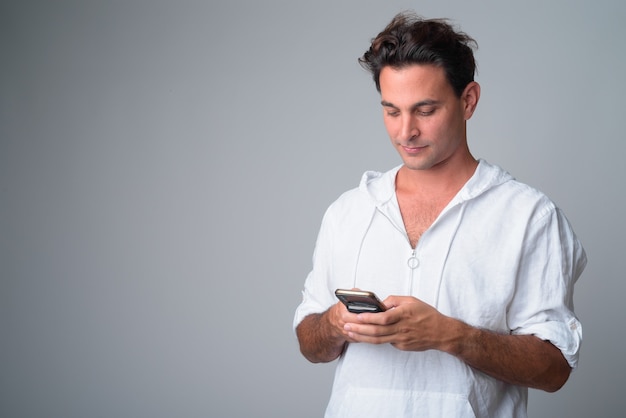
x=499, y=188
x=354, y=209
x=375, y=188
x=349, y=205
x=523, y=198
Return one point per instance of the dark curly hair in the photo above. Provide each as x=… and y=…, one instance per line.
x=410, y=39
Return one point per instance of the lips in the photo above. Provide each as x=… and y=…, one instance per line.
x=412, y=150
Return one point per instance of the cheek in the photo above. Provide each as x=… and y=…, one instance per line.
x=443, y=128
x=390, y=126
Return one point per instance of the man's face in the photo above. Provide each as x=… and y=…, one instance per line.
x=425, y=120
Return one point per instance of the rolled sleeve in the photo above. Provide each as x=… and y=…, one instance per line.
x=551, y=263
x=567, y=337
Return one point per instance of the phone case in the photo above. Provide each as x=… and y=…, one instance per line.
x=360, y=301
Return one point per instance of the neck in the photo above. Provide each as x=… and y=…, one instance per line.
x=446, y=178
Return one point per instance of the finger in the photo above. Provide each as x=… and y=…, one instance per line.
x=395, y=301
x=368, y=330
x=388, y=317
x=369, y=338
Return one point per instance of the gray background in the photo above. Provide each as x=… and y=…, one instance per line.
x=164, y=167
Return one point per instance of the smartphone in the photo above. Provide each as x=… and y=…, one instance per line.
x=360, y=301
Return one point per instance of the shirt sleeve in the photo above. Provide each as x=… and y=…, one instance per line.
x=317, y=295
x=552, y=260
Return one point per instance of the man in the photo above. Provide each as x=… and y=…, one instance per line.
x=476, y=269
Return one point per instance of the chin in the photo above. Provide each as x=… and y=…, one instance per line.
x=417, y=163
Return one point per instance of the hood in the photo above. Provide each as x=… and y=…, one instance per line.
x=380, y=187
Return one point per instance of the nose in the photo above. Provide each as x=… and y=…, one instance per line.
x=409, y=128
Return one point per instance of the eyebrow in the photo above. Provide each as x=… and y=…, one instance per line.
x=427, y=102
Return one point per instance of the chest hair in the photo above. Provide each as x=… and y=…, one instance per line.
x=419, y=214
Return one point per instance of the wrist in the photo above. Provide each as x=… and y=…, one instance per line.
x=459, y=338
x=332, y=323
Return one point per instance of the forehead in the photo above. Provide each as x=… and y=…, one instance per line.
x=414, y=83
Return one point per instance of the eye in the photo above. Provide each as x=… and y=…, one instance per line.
x=426, y=111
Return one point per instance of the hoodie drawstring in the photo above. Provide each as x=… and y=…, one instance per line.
x=358, y=255
x=449, y=247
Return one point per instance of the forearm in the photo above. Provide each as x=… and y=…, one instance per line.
x=320, y=341
x=523, y=360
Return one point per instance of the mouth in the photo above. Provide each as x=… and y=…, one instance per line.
x=412, y=150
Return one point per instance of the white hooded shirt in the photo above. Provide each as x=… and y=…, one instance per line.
x=500, y=256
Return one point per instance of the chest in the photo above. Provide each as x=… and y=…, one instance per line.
x=419, y=214
x=458, y=269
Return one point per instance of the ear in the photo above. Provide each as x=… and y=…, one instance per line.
x=470, y=98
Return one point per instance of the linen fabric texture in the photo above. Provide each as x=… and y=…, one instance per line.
x=500, y=256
